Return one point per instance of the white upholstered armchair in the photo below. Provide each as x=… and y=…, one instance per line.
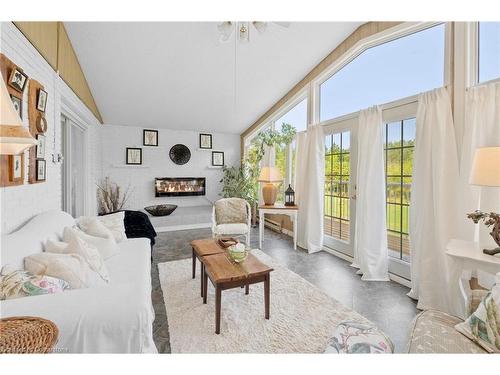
x=232, y=217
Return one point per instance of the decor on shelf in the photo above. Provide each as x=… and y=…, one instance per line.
x=40, y=147
x=149, y=137
x=486, y=172
x=289, y=196
x=16, y=167
x=41, y=102
x=18, y=79
x=270, y=176
x=180, y=154
x=217, y=158
x=134, y=156
x=14, y=137
x=40, y=170
x=161, y=209
x=111, y=197
x=18, y=107
x=206, y=141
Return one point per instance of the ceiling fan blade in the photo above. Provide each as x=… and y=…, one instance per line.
x=286, y=25
x=260, y=26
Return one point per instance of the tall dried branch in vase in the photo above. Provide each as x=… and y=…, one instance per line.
x=110, y=196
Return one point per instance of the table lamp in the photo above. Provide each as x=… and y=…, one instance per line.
x=14, y=137
x=270, y=176
x=486, y=172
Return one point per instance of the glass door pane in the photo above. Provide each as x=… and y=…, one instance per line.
x=338, y=204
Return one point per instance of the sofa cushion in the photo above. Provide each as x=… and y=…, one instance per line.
x=19, y=283
x=71, y=268
x=433, y=332
x=107, y=247
x=354, y=338
x=115, y=222
x=483, y=325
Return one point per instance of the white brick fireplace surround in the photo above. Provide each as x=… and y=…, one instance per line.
x=156, y=163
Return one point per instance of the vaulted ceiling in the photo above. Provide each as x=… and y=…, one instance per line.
x=178, y=75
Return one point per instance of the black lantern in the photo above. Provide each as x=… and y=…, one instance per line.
x=289, y=196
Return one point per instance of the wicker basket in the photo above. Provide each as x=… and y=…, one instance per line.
x=27, y=334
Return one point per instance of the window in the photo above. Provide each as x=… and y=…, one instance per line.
x=337, y=172
x=390, y=71
x=280, y=163
x=399, y=145
x=297, y=117
x=489, y=51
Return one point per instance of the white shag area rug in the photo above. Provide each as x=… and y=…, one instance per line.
x=302, y=319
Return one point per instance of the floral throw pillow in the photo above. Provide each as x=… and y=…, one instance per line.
x=483, y=325
x=354, y=337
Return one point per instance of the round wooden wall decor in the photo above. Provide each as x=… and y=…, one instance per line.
x=41, y=124
x=180, y=154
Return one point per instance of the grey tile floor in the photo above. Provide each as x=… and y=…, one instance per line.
x=384, y=303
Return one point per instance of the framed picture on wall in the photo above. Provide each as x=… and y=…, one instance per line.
x=40, y=170
x=150, y=137
x=134, y=156
x=206, y=141
x=217, y=158
x=16, y=167
x=18, y=79
x=42, y=100
x=40, y=147
x=18, y=105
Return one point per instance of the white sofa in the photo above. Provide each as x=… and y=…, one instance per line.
x=116, y=318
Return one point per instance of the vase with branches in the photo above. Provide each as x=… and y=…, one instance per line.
x=110, y=196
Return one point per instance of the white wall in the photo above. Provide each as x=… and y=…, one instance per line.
x=20, y=203
x=157, y=163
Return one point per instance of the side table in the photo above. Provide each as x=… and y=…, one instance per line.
x=278, y=209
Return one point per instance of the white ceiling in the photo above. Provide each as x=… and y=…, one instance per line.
x=177, y=75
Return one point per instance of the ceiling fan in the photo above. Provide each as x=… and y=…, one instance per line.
x=226, y=29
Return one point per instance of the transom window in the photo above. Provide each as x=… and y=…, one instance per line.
x=489, y=51
x=397, y=69
x=399, y=146
x=337, y=175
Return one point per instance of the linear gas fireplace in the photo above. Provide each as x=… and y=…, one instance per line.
x=179, y=186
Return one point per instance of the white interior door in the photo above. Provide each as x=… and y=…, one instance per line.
x=74, y=171
x=340, y=177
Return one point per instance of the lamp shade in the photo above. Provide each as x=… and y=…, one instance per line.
x=14, y=137
x=270, y=174
x=486, y=167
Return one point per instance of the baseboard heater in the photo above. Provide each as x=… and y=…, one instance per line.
x=273, y=225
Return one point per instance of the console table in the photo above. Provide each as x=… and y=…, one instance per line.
x=467, y=256
x=278, y=210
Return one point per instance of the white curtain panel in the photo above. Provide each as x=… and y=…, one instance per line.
x=370, y=240
x=309, y=189
x=482, y=121
x=433, y=207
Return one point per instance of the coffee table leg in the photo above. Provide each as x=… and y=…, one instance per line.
x=205, y=285
x=247, y=287
x=202, y=272
x=194, y=264
x=266, y=294
x=218, y=295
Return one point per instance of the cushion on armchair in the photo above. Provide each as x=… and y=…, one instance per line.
x=231, y=210
x=231, y=229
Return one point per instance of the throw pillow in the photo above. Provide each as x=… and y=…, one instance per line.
x=230, y=211
x=93, y=226
x=354, y=337
x=483, y=326
x=116, y=224
x=107, y=247
x=71, y=268
x=76, y=245
x=17, y=283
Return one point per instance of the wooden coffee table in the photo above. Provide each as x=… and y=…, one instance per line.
x=202, y=248
x=226, y=274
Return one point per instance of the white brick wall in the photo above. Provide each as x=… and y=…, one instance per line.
x=157, y=163
x=20, y=203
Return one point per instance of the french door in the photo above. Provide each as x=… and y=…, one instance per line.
x=340, y=189
x=74, y=167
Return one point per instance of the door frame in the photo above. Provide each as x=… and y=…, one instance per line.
x=69, y=118
x=340, y=125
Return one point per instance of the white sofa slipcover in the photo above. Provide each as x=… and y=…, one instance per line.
x=116, y=318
